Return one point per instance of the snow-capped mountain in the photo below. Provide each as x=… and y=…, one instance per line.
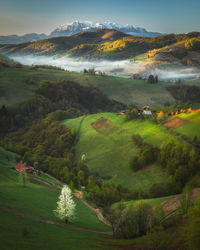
x=76, y=27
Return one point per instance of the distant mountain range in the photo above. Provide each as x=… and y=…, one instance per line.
x=77, y=27
x=114, y=45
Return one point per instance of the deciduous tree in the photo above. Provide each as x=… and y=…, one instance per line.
x=66, y=206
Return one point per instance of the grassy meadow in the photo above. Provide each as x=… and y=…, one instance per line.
x=39, y=201
x=18, y=84
x=192, y=128
x=109, y=150
x=153, y=202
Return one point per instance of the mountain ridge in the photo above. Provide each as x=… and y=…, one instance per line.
x=100, y=44
x=75, y=28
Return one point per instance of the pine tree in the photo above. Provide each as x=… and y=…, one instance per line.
x=66, y=206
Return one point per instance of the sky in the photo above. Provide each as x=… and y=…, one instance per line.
x=43, y=16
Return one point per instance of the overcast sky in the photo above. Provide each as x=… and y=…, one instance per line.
x=42, y=16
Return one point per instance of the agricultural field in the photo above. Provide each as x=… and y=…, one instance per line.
x=39, y=201
x=192, y=127
x=105, y=139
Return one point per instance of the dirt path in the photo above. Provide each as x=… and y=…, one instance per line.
x=36, y=218
x=97, y=211
x=78, y=195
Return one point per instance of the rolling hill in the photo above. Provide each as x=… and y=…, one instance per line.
x=103, y=43
x=21, y=209
x=109, y=148
x=60, y=45
x=20, y=83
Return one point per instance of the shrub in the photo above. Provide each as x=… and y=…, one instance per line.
x=163, y=189
x=135, y=164
x=134, y=221
x=151, y=79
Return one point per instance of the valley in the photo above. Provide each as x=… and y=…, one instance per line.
x=112, y=118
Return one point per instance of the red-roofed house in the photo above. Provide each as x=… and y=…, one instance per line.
x=22, y=167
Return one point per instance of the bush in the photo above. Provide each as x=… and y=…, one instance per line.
x=134, y=221
x=163, y=189
x=135, y=164
x=151, y=79
x=132, y=114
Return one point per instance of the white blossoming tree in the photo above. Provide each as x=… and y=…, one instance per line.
x=66, y=207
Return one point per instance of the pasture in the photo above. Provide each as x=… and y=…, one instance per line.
x=108, y=147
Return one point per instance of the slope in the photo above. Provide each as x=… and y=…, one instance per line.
x=18, y=84
x=105, y=43
x=37, y=200
x=192, y=127
x=60, y=45
x=105, y=139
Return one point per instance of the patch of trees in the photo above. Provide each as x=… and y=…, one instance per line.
x=65, y=95
x=147, y=155
x=46, y=66
x=180, y=161
x=185, y=93
x=152, y=79
x=48, y=146
x=132, y=113
x=104, y=194
x=192, y=44
x=135, y=220
x=164, y=189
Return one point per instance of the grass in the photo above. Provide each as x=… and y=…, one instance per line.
x=14, y=87
x=13, y=81
x=42, y=236
x=109, y=151
x=192, y=128
x=153, y=202
x=38, y=200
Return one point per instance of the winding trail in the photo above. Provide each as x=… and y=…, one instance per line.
x=37, y=218
x=78, y=195
x=97, y=211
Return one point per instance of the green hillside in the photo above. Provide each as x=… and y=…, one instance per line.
x=106, y=43
x=153, y=202
x=192, y=128
x=109, y=150
x=37, y=200
x=43, y=236
x=60, y=45
x=26, y=200
x=18, y=84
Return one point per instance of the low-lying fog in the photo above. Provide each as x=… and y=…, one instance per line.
x=121, y=68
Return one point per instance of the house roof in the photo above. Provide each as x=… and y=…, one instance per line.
x=147, y=112
x=20, y=167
